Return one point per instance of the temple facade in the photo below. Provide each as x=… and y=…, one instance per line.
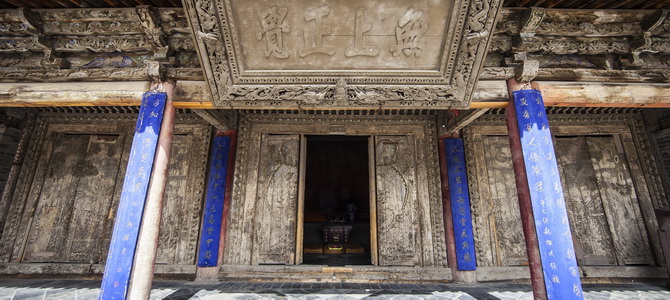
x=453, y=141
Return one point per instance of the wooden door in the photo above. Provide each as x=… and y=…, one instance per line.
x=396, y=186
x=276, y=200
x=75, y=198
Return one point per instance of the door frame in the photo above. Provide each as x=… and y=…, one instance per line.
x=253, y=125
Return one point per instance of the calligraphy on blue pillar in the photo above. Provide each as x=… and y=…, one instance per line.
x=460, y=205
x=121, y=253
x=561, y=275
x=208, y=254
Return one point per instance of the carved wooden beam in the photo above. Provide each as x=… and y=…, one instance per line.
x=464, y=118
x=188, y=94
x=194, y=95
x=216, y=118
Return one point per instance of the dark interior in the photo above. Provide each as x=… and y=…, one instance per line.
x=337, y=193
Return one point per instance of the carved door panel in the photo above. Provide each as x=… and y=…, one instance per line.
x=620, y=201
x=75, y=198
x=503, y=215
x=593, y=241
x=276, y=200
x=397, y=222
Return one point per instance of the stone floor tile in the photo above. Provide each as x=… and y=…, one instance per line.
x=513, y=295
x=29, y=293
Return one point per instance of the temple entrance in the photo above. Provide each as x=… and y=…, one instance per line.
x=337, y=201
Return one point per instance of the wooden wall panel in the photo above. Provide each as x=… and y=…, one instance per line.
x=57, y=193
x=588, y=222
x=607, y=197
x=620, y=201
x=505, y=223
x=68, y=213
x=397, y=222
x=181, y=212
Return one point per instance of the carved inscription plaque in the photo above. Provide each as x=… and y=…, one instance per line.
x=342, y=35
x=381, y=53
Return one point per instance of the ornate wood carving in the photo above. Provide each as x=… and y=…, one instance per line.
x=276, y=200
x=634, y=144
x=430, y=238
x=87, y=182
x=224, y=45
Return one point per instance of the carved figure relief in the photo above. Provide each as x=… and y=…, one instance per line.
x=272, y=30
x=408, y=34
x=314, y=36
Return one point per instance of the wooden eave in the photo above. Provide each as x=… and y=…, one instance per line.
x=575, y=47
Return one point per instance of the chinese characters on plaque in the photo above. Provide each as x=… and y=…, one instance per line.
x=561, y=274
x=273, y=28
x=460, y=204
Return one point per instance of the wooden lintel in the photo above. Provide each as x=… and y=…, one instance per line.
x=214, y=117
x=117, y=93
x=194, y=94
x=465, y=118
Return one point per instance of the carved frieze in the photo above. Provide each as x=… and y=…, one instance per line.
x=293, y=53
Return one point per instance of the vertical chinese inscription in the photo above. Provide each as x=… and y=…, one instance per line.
x=460, y=205
x=559, y=265
x=314, y=36
x=133, y=197
x=210, y=236
x=408, y=34
x=361, y=27
x=272, y=30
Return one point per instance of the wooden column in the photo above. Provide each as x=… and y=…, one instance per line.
x=551, y=254
x=216, y=207
x=457, y=214
x=119, y=263
x=147, y=245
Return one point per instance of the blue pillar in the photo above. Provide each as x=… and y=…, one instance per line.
x=119, y=263
x=459, y=196
x=538, y=179
x=210, y=236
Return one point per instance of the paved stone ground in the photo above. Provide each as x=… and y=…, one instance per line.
x=173, y=290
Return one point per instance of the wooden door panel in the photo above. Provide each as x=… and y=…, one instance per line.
x=54, y=207
x=75, y=198
x=398, y=232
x=180, y=219
x=94, y=195
x=620, y=201
x=593, y=240
x=276, y=200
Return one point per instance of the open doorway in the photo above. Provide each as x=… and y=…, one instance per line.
x=337, y=201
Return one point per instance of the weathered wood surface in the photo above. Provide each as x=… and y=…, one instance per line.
x=193, y=94
x=429, y=230
x=505, y=220
x=593, y=240
x=276, y=200
x=128, y=93
x=620, y=202
x=622, y=191
x=397, y=223
x=68, y=215
x=181, y=214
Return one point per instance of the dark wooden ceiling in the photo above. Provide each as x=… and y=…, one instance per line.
x=579, y=4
